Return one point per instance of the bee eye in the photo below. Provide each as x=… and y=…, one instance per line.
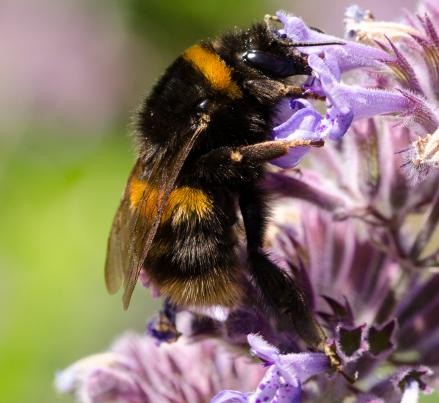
x=273, y=65
x=203, y=106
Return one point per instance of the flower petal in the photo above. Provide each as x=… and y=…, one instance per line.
x=349, y=102
x=349, y=56
x=262, y=349
x=411, y=392
x=302, y=366
x=230, y=396
x=303, y=124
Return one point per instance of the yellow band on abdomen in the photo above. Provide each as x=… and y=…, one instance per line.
x=183, y=203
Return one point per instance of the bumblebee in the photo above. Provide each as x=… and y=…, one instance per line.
x=203, y=137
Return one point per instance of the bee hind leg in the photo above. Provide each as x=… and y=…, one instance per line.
x=281, y=291
x=163, y=326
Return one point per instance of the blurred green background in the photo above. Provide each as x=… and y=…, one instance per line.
x=71, y=73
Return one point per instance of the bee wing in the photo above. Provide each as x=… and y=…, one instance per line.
x=118, y=241
x=134, y=228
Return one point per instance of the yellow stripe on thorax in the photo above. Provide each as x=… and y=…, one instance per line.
x=214, y=69
x=183, y=202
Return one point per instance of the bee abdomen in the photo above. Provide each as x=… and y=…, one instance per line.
x=193, y=257
x=196, y=267
x=217, y=286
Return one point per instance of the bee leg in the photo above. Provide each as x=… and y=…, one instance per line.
x=298, y=92
x=163, y=327
x=280, y=290
x=228, y=164
x=274, y=90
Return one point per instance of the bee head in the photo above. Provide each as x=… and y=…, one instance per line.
x=229, y=82
x=260, y=52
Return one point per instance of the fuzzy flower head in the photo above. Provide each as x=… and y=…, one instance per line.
x=137, y=370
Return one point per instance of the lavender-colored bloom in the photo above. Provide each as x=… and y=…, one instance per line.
x=348, y=102
x=415, y=53
x=303, y=124
x=345, y=103
x=348, y=56
x=136, y=370
x=284, y=377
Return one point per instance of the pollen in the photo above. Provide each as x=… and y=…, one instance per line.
x=214, y=69
x=426, y=150
x=422, y=157
x=236, y=156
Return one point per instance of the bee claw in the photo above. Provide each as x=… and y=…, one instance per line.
x=305, y=143
x=317, y=143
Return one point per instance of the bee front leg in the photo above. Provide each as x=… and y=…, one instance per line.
x=264, y=90
x=230, y=164
x=298, y=92
x=281, y=291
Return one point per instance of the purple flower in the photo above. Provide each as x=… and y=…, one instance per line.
x=302, y=124
x=348, y=56
x=345, y=103
x=284, y=378
x=414, y=51
x=136, y=370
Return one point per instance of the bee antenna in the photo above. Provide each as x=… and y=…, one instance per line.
x=309, y=44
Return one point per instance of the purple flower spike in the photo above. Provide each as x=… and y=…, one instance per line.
x=283, y=380
x=136, y=370
x=345, y=103
x=272, y=388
